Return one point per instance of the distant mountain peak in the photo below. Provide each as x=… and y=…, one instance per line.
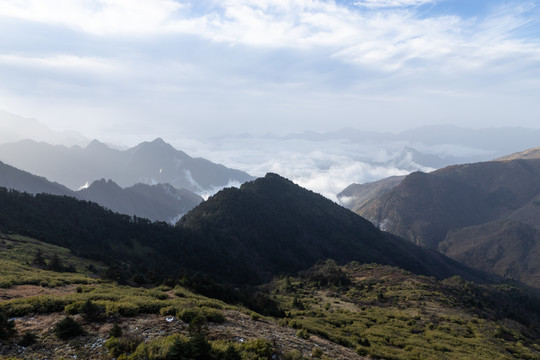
x=159, y=140
x=103, y=183
x=157, y=145
x=271, y=182
x=96, y=145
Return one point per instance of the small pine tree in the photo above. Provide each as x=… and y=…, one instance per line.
x=39, y=260
x=297, y=303
x=116, y=331
x=90, y=311
x=7, y=327
x=199, y=347
x=29, y=338
x=55, y=264
x=231, y=353
x=198, y=326
x=67, y=328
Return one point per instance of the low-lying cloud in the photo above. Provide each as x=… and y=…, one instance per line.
x=325, y=167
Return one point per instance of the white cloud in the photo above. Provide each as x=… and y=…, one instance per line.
x=95, y=16
x=392, y=3
x=326, y=167
x=388, y=39
x=65, y=62
x=232, y=64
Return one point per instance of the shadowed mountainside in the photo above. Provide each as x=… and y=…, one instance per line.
x=160, y=202
x=274, y=225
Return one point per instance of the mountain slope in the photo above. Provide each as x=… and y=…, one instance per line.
x=533, y=153
x=13, y=178
x=149, y=162
x=274, y=225
x=445, y=206
x=355, y=196
x=160, y=202
x=508, y=248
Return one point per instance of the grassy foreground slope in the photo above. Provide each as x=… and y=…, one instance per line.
x=388, y=313
x=329, y=312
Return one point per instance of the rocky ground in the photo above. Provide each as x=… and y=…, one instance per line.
x=239, y=327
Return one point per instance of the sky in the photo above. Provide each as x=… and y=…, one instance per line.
x=137, y=69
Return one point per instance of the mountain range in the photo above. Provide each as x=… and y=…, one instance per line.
x=267, y=227
x=433, y=146
x=160, y=202
x=485, y=215
x=500, y=141
x=148, y=163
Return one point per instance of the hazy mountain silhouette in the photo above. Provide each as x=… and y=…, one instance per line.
x=149, y=162
x=15, y=128
x=155, y=202
x=493, y=142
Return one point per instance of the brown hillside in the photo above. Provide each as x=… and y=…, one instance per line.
x=435, y=208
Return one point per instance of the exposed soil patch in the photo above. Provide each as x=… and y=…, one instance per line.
x=24, y=291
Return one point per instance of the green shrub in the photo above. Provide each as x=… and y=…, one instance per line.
x=316, y=352
x=187, y=315
x=302, y=334
x=74, y=308
x=294, y=355
x=158, y=349
x=260, y=347
x=168, y=310
x=91, y=311
x=362, y=351
x=121, y=308
x=122, y=345
x=67, y=328
x=160, y=295
x=214, y=316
